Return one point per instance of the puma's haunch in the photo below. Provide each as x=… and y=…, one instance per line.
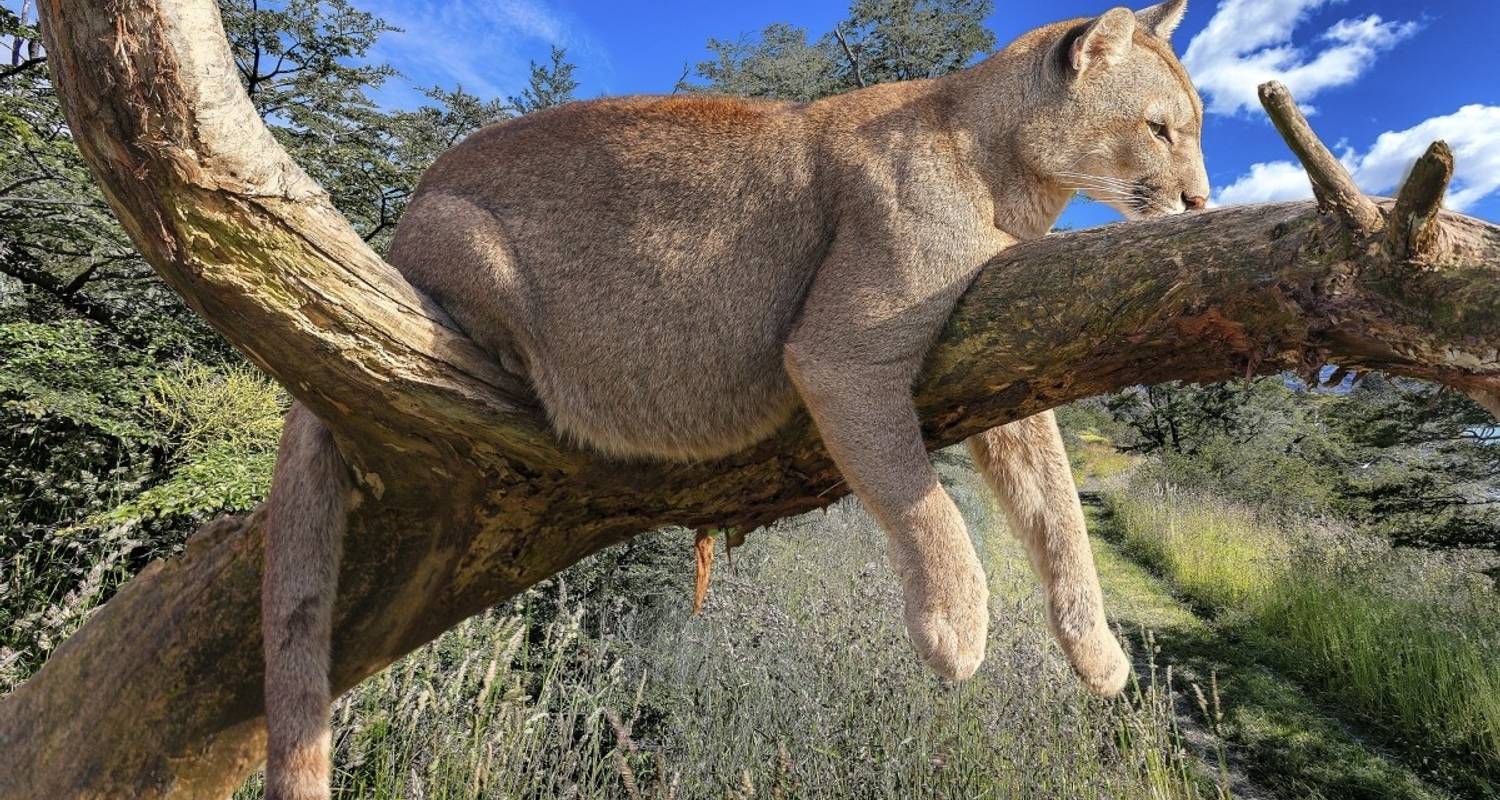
x=676, y=275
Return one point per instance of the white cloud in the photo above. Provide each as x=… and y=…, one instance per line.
x=479, y=44
x=1249, y=42
x=1473, y=132
x=1267, y=183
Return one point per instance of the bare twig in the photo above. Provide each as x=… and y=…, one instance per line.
x=1414, y=230
x=1332, y=184
x=859, y=76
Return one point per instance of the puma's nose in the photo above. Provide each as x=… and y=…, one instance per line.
x=1194, y=202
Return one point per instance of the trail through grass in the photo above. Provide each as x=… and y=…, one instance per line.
x=1280, y=739
x=1402, y=645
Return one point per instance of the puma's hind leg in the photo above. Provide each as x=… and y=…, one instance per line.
x=870, y=427
x=1025, y=464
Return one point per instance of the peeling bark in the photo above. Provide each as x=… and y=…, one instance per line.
x=159, y=694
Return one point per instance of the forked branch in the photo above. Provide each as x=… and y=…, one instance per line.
x=1414, y=234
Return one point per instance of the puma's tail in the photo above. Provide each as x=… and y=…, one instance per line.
x=305, y=518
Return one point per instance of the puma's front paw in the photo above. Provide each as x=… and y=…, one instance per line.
x=948, y=619
x=1099, y=661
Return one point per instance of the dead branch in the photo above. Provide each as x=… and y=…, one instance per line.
x=1332, y=184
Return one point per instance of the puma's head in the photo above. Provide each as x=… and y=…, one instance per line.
x=1118, y=118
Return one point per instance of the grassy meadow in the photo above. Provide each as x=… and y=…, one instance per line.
x=1276, y=657
x=795, y=681
x=1406, y=640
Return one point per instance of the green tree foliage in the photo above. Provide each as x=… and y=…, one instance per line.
x=1424, y=464
x=1400, y=458
x=125, y=421
x=781, y=64
x=881, y=41
x=61, y=250
x=551, y=84
x=900, y=40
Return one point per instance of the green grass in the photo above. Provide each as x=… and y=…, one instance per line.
x=1410, y=643
x=1280, y=741
x=1094, y=458
x=798, y=681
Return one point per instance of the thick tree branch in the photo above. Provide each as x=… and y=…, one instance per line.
x=226, y=218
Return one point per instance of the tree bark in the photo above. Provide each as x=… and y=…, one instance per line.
x=465, y=497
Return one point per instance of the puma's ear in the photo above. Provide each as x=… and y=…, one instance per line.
x=1163, y=18
x=1104, y=42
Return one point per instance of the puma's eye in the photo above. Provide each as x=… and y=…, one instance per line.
x=1160, y=131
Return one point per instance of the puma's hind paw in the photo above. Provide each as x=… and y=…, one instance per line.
x=948, y=622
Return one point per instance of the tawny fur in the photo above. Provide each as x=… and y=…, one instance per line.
x=305, y=518
x=676, y=275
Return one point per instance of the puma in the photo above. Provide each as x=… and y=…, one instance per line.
x=675, y=276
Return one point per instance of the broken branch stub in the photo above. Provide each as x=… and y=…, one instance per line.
x=1413, y=232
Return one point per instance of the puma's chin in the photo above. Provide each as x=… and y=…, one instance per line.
x=1156, y=210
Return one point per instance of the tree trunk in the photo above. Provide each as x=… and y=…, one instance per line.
x=465, y=497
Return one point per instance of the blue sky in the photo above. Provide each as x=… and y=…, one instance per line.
x=1382, y=78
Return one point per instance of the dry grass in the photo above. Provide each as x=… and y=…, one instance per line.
x=797, y=681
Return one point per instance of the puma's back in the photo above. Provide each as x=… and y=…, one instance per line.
x=639, y=259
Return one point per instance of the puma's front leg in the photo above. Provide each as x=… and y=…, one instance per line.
x=906, y=248
x=1026, y=465
x=868, y=424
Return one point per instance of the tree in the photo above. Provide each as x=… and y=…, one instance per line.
x=1421, y=465
x=98, y=358
x=883, y=40
x=304, y=65
x=550, y=85
x=900, y=40
x=1399, y=458
x=220, y=210
x=781, y=64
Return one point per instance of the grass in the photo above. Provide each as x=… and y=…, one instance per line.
x=484, y=712
x=796, y=681
x=1407, y=642
x=1278, y=739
